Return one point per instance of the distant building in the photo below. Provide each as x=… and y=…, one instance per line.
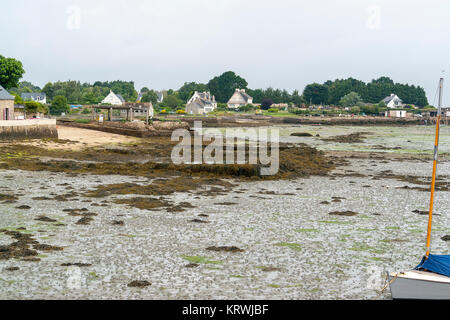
x=393, y=101
x=158, y=93
x=239, y=99
x=6, y=105
x=201, y=103
x=160, y=96
x=396, y=114
x=114, y=99
x=34, y=96
x=140, y=95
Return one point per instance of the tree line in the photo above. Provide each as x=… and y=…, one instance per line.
x=222, y=87
x=331, y=92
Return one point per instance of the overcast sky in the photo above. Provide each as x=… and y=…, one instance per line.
x=280, y=43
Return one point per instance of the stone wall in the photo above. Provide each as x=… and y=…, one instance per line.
x=6, y=105
x=28, y=129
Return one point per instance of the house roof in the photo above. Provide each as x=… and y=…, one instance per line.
x=200, y=103
x=4, y=95
x=120, y=97
x=239, y=96
x=33, y=95
x=392, y=97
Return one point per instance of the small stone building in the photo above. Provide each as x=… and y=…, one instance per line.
x=6, y=105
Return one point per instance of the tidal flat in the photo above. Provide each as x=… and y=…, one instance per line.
x=138, y=234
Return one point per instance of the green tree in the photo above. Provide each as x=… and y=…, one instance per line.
x=59, y=105
x=341, y=87
x=145, y=90
x=11, y=71
x=266, y=103
x=188, y=89
x=351, y=99
x=33, y=106
x=172, y=101
x=223, y=86
x=316, y=93
x=150, y=96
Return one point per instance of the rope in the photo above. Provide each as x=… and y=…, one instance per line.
x=388, y=283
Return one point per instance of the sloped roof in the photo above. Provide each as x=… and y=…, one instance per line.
x=391, y=97
x=4, y=95
x=200, y=103
x=239, y=96
x=120, y=97
x=33, y=95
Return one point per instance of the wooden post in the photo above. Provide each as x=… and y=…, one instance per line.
x=110, y=111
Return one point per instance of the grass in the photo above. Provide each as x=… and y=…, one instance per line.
x=306, y=230
x=336, y=222
x=293, y=246
x=200, y=260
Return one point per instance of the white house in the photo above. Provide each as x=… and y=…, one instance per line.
x=37, y=97
x=393, y=101
x=201, y=103
x=114, y=99
x=239, y=99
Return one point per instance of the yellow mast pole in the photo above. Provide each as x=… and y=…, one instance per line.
x=433, y=179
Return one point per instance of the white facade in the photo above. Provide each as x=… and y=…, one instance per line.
x=393, y=101
x=396, y=113
x=113, y=99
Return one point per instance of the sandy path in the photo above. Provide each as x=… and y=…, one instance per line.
x=92, y=137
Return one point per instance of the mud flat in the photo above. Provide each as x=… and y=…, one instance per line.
x=260, y=120
x=134, y=129
x=164, y=232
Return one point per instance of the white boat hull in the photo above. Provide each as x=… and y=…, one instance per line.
x=419, y=285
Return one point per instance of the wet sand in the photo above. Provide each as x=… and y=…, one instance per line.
x=291, y=247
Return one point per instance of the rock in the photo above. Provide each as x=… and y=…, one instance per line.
x=139, y=284
x=301, y=134
x=343, y=213
x=225, y=249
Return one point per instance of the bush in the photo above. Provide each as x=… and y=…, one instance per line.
x=301, y=112
x=181, y=111
x=355, y=110
x=266, y=103
x=33, y=106
x=86, y=111
x=59, y=105
x=273, y=110
x=222, y=106
x=246, y=108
